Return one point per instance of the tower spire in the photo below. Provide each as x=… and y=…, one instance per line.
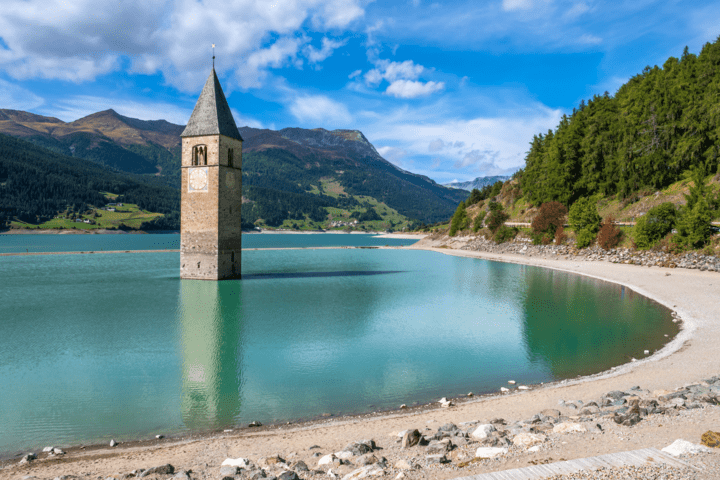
x=213, y=56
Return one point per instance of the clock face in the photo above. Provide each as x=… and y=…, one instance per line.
x=198, y=180
x=230, y=180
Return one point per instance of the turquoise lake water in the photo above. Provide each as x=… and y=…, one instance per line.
x=83, y=243
x=95, y=347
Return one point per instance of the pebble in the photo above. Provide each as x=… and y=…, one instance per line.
x=646, y=258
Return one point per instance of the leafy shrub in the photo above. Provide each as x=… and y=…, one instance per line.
x=560, y=236
x=505, y=233
x=477, y=224
x=549, y=218
x=584, y=238
x=584, y=216
x=497, y=217
x=609, y=235
x=655, y=224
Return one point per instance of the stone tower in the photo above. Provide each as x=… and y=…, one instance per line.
x=210, y=232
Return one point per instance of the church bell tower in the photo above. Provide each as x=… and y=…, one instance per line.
x=211, y=197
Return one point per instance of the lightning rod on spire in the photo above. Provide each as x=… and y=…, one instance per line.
x=213, y=47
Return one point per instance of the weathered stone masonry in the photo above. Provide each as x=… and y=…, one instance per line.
x=211, y=197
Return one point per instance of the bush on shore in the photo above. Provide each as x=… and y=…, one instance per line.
x=549, y=219
x=654, y=225
x=609, y=235
x=585, y=219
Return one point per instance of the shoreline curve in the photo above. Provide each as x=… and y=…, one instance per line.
x=689, y=357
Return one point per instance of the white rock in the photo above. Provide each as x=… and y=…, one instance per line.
x=236, y=462
x=403, y=465
x=327, y=460
x=364, y=472
x=331, y=474
x=57, y=451
x=568, y=427
x=490, y=452
x=402, y=434
x=113, y=443
x=647, y=352
x=48, y=449
x=534, y=449
x=683, y=447
x=523, y=387
x=483, y=431
x=528, y=439
x=400, y=476
x=504, y=390
x=511, y=382
x=344, y=455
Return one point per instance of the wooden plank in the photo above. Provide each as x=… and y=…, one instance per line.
x=645, y=456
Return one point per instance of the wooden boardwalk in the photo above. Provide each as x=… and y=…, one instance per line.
x=645, y=456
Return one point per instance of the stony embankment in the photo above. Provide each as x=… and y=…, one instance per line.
x=647, y=258
x=456, y=450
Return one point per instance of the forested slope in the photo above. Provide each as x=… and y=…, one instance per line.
x=660, y=124
x=36, y=184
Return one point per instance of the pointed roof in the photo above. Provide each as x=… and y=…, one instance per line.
x=212, y=115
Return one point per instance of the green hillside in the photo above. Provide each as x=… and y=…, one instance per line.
x=647, y=157
x=38, y=185
x=659, y=125
x=283, y=171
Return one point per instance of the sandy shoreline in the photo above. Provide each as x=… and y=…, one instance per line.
x=689, y=358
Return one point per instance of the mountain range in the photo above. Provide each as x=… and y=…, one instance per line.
x=478, y=183
x=317, y=169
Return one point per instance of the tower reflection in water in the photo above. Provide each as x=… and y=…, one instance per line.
x=211, y=319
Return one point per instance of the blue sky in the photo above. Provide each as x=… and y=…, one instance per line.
x=451, y=90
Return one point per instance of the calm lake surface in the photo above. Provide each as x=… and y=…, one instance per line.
x=95, y=347
x=18, y=243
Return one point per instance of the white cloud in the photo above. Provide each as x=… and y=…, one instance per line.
x=15, y=97
x=355, y=74
x=576, y=10
x=83, y=39
x=321, y=110
x=483, y=160
x=413, y=89
x=394, y=155
x=402, y=77
x=278, y=54
x=328, y=47
x=392, y=71
x=373, y=78
x=436, y=145
x=443, y=146
x=406, y=70
x=245, y=121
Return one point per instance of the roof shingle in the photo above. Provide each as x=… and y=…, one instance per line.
x=212, y=115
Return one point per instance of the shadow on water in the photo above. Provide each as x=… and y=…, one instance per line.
x=581, y=326
x=267, y=276
x=212, y=339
